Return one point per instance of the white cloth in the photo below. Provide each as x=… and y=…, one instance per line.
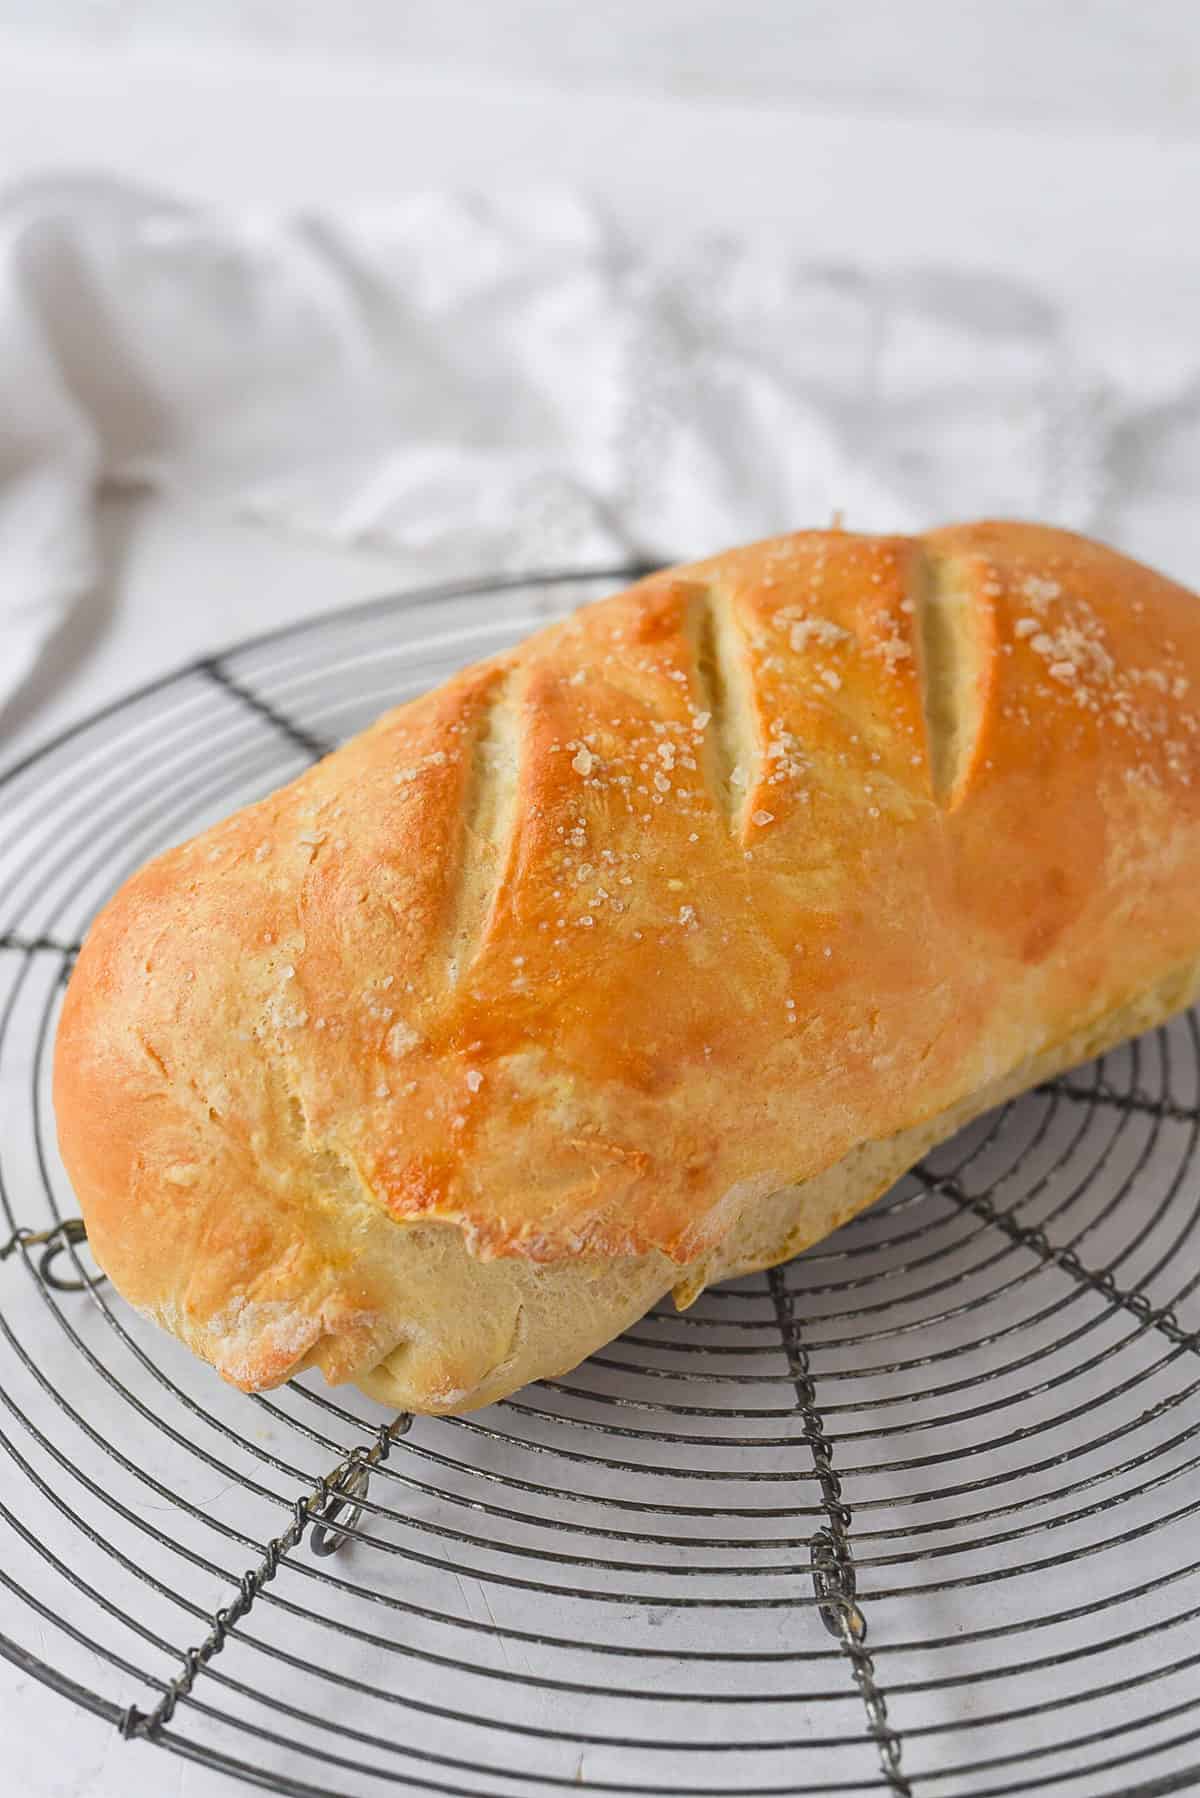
x=507, y=384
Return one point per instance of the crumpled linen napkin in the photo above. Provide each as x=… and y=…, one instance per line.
x=502, y=384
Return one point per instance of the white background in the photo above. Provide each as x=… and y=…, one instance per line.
x=1061, y=142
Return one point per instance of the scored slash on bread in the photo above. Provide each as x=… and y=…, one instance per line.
x=644, y=954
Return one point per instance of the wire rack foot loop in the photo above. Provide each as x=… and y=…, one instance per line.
x=351, y=1488
x=70, y=1233
x=834, y=1584
x=832, y=1558
x=308, y=1509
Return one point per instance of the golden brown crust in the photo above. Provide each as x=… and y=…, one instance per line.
x=584, y=955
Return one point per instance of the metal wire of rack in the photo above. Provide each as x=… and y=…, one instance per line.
x=913, y=1514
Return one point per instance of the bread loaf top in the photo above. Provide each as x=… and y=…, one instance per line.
x=617, y=933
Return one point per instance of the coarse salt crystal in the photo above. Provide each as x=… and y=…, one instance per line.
x=831, y=678
x=400, y=1039
x=761, y=818
x=583, y=761
x=820, y=630
x=474, y=1079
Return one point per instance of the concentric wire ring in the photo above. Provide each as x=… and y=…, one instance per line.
x=915, y=1514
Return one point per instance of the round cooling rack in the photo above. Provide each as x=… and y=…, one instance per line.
x=913, y=1514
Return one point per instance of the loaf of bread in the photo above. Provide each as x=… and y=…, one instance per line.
x=641, y=956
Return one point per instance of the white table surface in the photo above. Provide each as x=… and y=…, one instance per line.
x=1085, y=210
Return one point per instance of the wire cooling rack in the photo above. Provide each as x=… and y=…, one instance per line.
x=914, y=1514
